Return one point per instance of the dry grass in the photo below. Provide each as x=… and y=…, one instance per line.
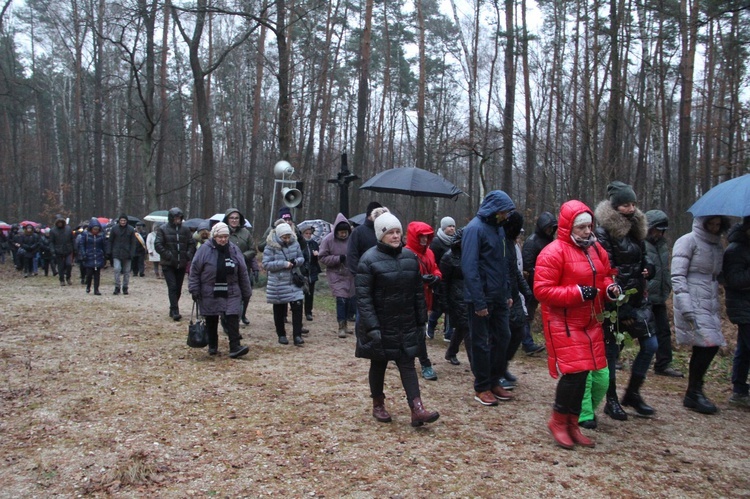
x=100, y=396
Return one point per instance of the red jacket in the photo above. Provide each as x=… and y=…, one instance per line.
x=426, y=257
x=575, y=340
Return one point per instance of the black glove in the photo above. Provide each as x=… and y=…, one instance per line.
x=293, y=262
x=342, y=259
x=196, y=296
x=588, y=292
x=430, y=279
x=375, y=335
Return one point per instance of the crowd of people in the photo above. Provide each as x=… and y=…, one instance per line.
x=601, y=277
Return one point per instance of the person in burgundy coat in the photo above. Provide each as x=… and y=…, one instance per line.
x=572, y=281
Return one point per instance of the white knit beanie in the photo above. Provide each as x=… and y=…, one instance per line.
x=283, y=229
x=220, y=229
x=447, y=222
x=582, y=218
x=384, y=223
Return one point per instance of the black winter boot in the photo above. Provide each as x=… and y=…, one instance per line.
x=116, y=291
x=633, y=397
x=612, y=407
x=696, y=401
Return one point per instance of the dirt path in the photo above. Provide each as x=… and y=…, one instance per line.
x=100, y=396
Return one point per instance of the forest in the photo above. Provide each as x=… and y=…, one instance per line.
x=140, y=105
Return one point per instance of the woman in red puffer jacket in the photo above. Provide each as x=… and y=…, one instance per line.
x=572, y=279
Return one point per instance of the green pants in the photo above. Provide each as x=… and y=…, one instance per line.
x=597, y=383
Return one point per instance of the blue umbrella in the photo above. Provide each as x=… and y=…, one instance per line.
x=730, y=198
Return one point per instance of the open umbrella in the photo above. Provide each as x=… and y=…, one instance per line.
x=133, y=220
x=321, y=228
x=729, y=198
x=157, y=216
x=358, y=219
x=193, y=223
x=220, y=216
x=103, y=220
x=412, y=182
x=29, y=222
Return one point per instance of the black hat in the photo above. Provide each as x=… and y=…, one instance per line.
x=620, y=193
x=372, y=206
x=284, y=211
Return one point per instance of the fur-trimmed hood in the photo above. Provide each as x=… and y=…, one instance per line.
x=618, y=225
x=274, y=241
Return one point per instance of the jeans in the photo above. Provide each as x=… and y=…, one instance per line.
x=122, y=271
x=174, y=278
x=527, y=341
x=648, y=345
x=345, y=308
x=663, y=337
x=741, y=362
x=490, y=336
x=376, y=377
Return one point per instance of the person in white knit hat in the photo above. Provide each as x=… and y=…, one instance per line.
x=392, y=315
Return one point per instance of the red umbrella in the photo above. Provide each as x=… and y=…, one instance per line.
x=29, y=222
x=103, y=220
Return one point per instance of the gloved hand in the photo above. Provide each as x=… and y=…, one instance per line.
x=375, y=335
x=342, y=259
x=430, y=279
x=588, y=292
x=196, y=296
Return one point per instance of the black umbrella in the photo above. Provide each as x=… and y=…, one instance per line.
x=133, y=220
x=193, y=223
x=412, y=182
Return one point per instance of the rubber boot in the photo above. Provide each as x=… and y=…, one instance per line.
x=378, y=409
x=633, y=397
x=612, y=407
x=342, y=329
x=695, y=400
x=420, y=415
x=558, y=426
x=575, y=432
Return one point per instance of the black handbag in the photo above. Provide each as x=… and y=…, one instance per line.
x=197, y=334
x=300, y=280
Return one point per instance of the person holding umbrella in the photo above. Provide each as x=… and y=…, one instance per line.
x=696, y=264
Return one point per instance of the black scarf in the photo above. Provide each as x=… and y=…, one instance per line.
x=224, y=267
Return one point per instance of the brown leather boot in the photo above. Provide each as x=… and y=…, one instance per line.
x=558, y=426
x=378, y=409
x=575, y=432
x=419, y=415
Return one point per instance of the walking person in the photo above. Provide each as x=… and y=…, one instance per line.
x=121, y=250
x=28, y=243
x=392, y=316
x=441, y=244
x=571, y=282
x=487, y=294
x=62, y=240
x=659, y=289
x=92, y=250
x=622, y=232
x=282, y=253
x=310, y=269
x=332, y=254
x=139, y=259
x=241, y=236
x=419, y=235
x=737, y=285
x=153, y=255
x=697, y=259
x=544, y=233
x=220, y=283
x=175, y=245
x=453, y=295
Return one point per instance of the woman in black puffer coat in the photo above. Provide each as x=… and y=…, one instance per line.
x=622, y=233
x=392, y=314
